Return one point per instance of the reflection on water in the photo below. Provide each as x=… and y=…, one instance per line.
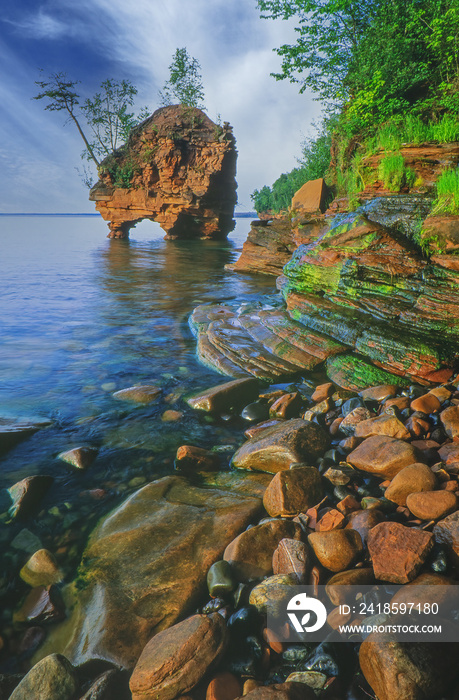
x=82, y=316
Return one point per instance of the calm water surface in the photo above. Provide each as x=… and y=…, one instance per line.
x=82, y=316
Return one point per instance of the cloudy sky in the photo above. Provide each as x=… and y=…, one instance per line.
x=96, y=39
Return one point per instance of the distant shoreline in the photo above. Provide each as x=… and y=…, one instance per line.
x=239, y=215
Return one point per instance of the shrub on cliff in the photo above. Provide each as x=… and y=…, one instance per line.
x=185, y=82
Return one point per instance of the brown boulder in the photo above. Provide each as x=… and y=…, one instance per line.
x=411, y=479
x=336, y=550
x=339, y=587
x=251, y=553
x=146, y=563
x=450, y=419
x=382, y=425
x=174, y=661
x=225, y=396
x=311, y=197
x=398, y=552
x=292, y=557
x=293, y=491
x=401, y=671
x=279, y=447
x=383, y=456
x=431, y=505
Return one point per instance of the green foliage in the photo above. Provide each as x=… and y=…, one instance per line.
x=392, y=171
x=447, y=201
x=108, y=117
x=108, y=121
x=185, y=82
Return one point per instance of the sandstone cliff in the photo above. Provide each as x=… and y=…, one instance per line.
x=178, y=169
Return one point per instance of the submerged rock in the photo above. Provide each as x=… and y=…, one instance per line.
x=14, y=431
x=53, y=678
x=145, y=566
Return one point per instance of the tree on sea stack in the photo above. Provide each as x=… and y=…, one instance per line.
x=107, y=116
x=185, y=82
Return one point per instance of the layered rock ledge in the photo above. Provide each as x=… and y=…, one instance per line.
x=178, y=169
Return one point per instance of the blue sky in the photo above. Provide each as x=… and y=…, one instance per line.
x=96, y=39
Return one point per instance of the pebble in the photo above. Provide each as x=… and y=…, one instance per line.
x=353, y=418
x=189, y=457
x=336, y=550
x=42, y=605
x=411, y=479
x=431, y=505
x=41, y=569
x=339, y=587
x=286, y=406
x=446, y=532
x=450, y=420
x=398, y=552
x=322, y=392
x=364, y=520
x=271, y=591
x=227, y=396
x=428, y=403
x=220, y=579
x=143, y=393
x=171, y=416
x=79, y=457
x=224, y=686
x=293, y=491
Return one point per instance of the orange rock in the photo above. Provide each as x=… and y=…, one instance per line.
x=224, y=686
x=411, y=479
x=176, y=659
x=338, y=549
x=428, y=403
x=400, y=402
x=191, y=457
x=332, y=520
x=340, y=587
x=348, y=505
x=292, y=491
x=281, y=691
x=398, y=552
x=383, y=456
x=273, y=642
x=450, y=419
x=383, y=392
x=431, y=505
x=382, y=425
x=449, y=452
x=292, y=557
x=446, y=532
x=364, y=520
x=336, y=618
x=311, y=197
x=322, y=392
x=286, y=406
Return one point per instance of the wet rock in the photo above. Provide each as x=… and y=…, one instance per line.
x=224, y=397
x=336, y=550
x=144, y=394
x=251, y=553
x=173, y=662
x=449, y=453
x=281, y=691
x=431, y=505
x=339, y=586
x=450, y=420
x=349, y=371
x=30, y=641
x=279, y=447
x=13, y=431
x=42, y=605
x=379, y=393
x=220, y=579
x=170, y=416
x=383, y=456
x=398, y=552
x=224, y=686
x=286, y=406
x=446, y=532
x=352, y=419
x=255, y=411
x=126, y=589
x=411, y=479
x=26, y=541
x=27, y=494
x=272, y=590
x=322, y=392
x=190, y=458
x=110, y=685
x=382, y=425
x=79, y=457
x=293, y=491
x=257, y=429
x=41, y=569
x=401, y=671
x=52, y=678
x=293, y=557
x=427, y=403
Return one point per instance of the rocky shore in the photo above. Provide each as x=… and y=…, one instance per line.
x=331, y=487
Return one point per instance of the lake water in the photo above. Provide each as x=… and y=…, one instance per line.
x=82, y=316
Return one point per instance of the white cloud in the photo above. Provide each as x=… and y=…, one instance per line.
x=42, y=26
